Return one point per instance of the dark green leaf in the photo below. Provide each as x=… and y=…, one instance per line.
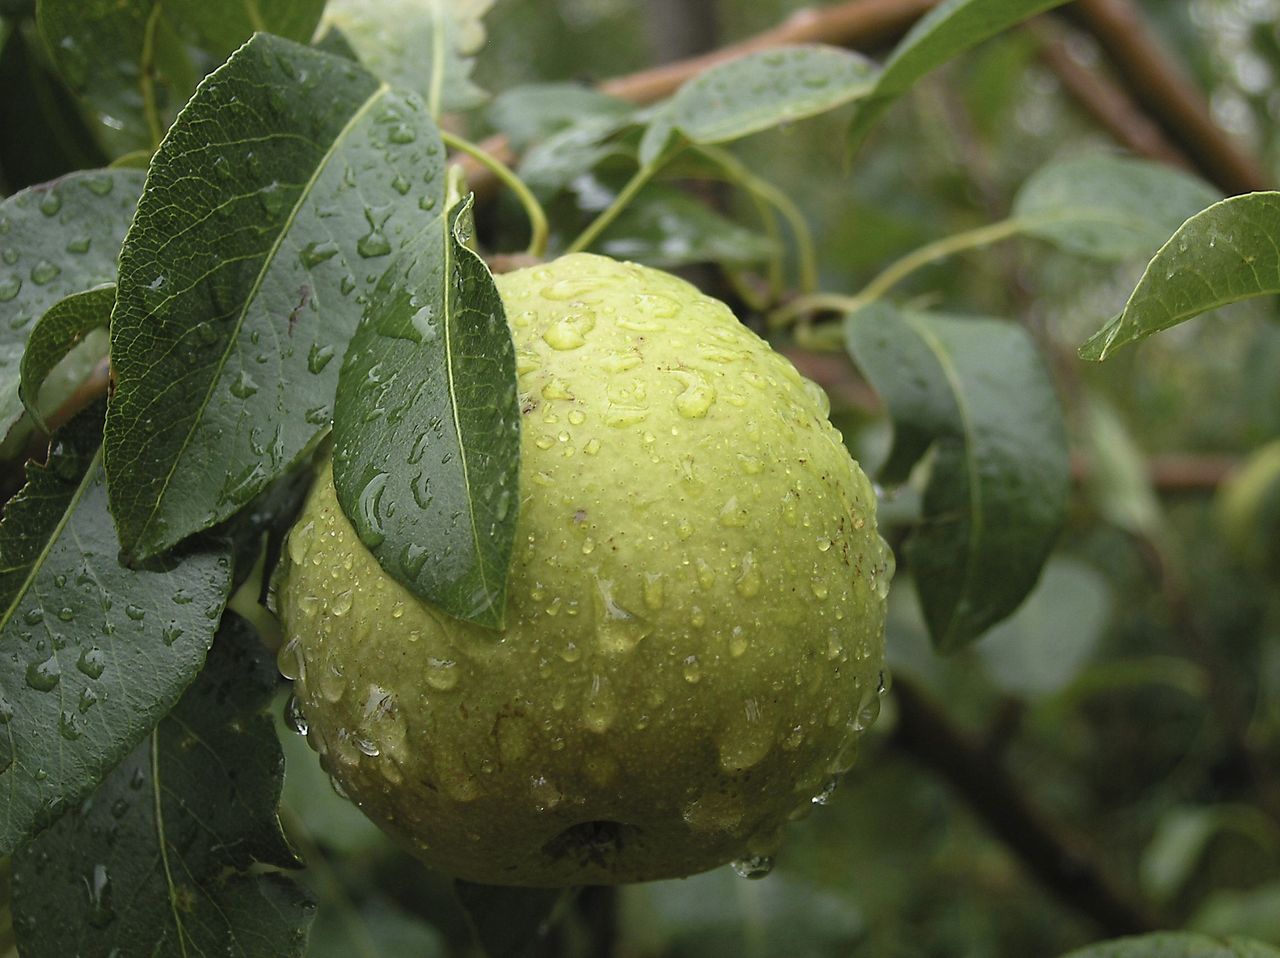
x=97, y=652
x=666, y=228
x=509, y=922
x=1173, y=944
x=377, y=925
x=422, y=46
x=56, y=239
x=124, y=61
x=59, y=331
x=530, y=113
x=221, y=27
x=45, y=134
x=1108, y=207
x=427, y=426
x=976, y=393
x=756, y=92
x=158, y=861
x=271, y=210
x=948, y=30
x=1227, y=253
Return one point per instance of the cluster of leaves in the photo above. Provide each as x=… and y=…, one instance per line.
x=251, y=193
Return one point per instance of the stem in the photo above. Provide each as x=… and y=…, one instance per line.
x=898, y=271
x=146, y=77
x=1062, y=865
x=611, y=212
x=331, y=885
x=532, y=208
x=805, y=250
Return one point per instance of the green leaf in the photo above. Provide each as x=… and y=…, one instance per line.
x=1225, y=254
x=271, y=209
x=1176, y=944
x=159, y=861
x=56, y=239
x=509, y=922
x=553, y=164
x=59, y=331
x=124, y=60
x=1109, y=207
x=221, y=27
x=975, y=393
x=949, y=29
x=427, y=426
x=527, y=114
x=423, y=46
x=1044, y=645
x=97, y=652
x=666, y=228
x=1118, y=481
x=45, y=134
x=758, y=91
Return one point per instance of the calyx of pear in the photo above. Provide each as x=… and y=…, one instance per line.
x=694, y=621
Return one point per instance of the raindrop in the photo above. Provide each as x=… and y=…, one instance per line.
x=369, y=514
x=98, y=885
x=9, y=288
x=313, y=254
x=753, y=866
x=50, y=203
x=293, y=716
x=45, y=272
x=244, y=386
x=92, y=662
x=319, y=357
x=44, y=676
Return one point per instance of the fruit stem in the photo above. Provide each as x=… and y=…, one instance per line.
x=897, y=271
x=611, y=212
x=762, y=188
x=532, y=208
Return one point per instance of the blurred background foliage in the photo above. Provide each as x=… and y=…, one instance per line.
x=1136, y=695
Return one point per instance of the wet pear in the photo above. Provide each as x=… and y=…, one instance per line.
x=695, y=617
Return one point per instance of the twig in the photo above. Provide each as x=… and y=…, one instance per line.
x=1109, y=106
x=1166, y=93
x=862, y=23
x=1060, y=863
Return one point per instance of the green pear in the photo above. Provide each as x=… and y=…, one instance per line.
x=695, y=610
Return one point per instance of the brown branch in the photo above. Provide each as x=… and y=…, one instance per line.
x=863, y=23
x=1109, y=106
x=1167, y=94
x=1059, y=862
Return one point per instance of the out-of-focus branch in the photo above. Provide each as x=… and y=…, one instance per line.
x=1109, y=106
x=862, y=23
x=1160, y=84
x=1059, y=862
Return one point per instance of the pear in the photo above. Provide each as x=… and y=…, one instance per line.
x=694, y=637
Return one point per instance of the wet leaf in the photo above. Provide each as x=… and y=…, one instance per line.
x=59, y=331
x=271, y=211
x=422, y=46
x=1108, y=207
x=221, y=27
x=666, y=228
x=976, y=395
x=125, y=62
x=158, y=861
x=527, y=114
x=56, y=239
x=756, y=92
x=97, y=652
x=949, y=29
x=427, y=426
x=1225, y=254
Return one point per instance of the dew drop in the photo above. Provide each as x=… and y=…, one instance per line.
x=369, y=513
x=753, y=866
x=92, y=662
x=44, y=676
